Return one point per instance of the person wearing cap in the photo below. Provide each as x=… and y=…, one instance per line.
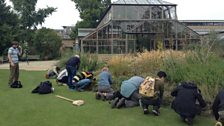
x=13, y=56
x=72, y=65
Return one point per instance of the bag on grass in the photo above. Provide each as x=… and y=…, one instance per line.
x=146, y=88
x=43, y=88
x=16, y=84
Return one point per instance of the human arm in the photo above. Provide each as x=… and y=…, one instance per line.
x=174, y=92
x=20, y=50
x=110, y=79
x=10, y=57
x=200, y=99
x=161, y=89
x=215, y=107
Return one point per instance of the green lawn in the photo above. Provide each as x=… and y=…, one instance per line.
x=18, y=107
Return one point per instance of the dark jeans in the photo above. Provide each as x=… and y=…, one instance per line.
x=83, y=83
x=71, y=73
x=14, y=73
x=150, y=101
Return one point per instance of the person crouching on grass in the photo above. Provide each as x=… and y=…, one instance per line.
x=157, y=98
x=186, y=94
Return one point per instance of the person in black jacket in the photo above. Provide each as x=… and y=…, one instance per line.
x=72, y=65
x=184, y=103
x=218, y=107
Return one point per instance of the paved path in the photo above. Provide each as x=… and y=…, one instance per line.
x=33, y=65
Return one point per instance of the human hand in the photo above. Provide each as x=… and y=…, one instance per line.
x=12, y=64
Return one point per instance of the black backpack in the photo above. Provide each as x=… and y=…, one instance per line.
x=43, y=88
x=16, y=84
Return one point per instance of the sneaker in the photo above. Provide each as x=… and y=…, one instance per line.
x=120, y=103
x=114, y=102
x=98, y=95
x=155, y=112
x=145, y=111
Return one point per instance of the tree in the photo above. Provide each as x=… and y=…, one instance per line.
x=8, y=26
x=48, y=43
x=90, y=12
x=30, y=18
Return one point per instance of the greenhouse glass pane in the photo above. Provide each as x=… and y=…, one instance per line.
x=130, y=2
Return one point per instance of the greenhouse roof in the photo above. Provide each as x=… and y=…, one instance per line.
x=153, y=2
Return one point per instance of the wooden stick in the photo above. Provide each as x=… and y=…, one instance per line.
x=67, y=99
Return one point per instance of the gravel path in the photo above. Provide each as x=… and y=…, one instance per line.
x=33, y=65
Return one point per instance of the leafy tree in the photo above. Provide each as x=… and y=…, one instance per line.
x=48, y=43
x=90, y=12
x=8, y=26
x=30, y=18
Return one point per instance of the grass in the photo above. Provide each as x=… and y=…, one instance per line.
x=19, y=107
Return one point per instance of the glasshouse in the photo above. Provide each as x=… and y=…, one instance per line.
x=135, y=25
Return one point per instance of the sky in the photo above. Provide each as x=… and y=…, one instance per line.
x=67, y=15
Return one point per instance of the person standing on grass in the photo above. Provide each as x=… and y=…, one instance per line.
x=72, y=65
x=186, y=94
x=13, y=56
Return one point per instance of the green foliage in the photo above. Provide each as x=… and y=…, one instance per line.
x=90, y=12
x=88, y=61
x=47, y=43
x=8, y=26
x=21, y=108
x=207, y=74
x=29, y=19
x=64, y=57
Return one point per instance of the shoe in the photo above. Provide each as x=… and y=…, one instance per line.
x=120, y=103
x=103, y=97
x=114, y=102
x=71, y=88
x=98, y=95
x=145, y=111
x=155, y=112
x=189, y=121
x=80, y=90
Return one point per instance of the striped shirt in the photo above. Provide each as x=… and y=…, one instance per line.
x=14, y=52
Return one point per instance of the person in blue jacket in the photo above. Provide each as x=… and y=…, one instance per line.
x=128, y=95
x=105, y=92
x=72, y=65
